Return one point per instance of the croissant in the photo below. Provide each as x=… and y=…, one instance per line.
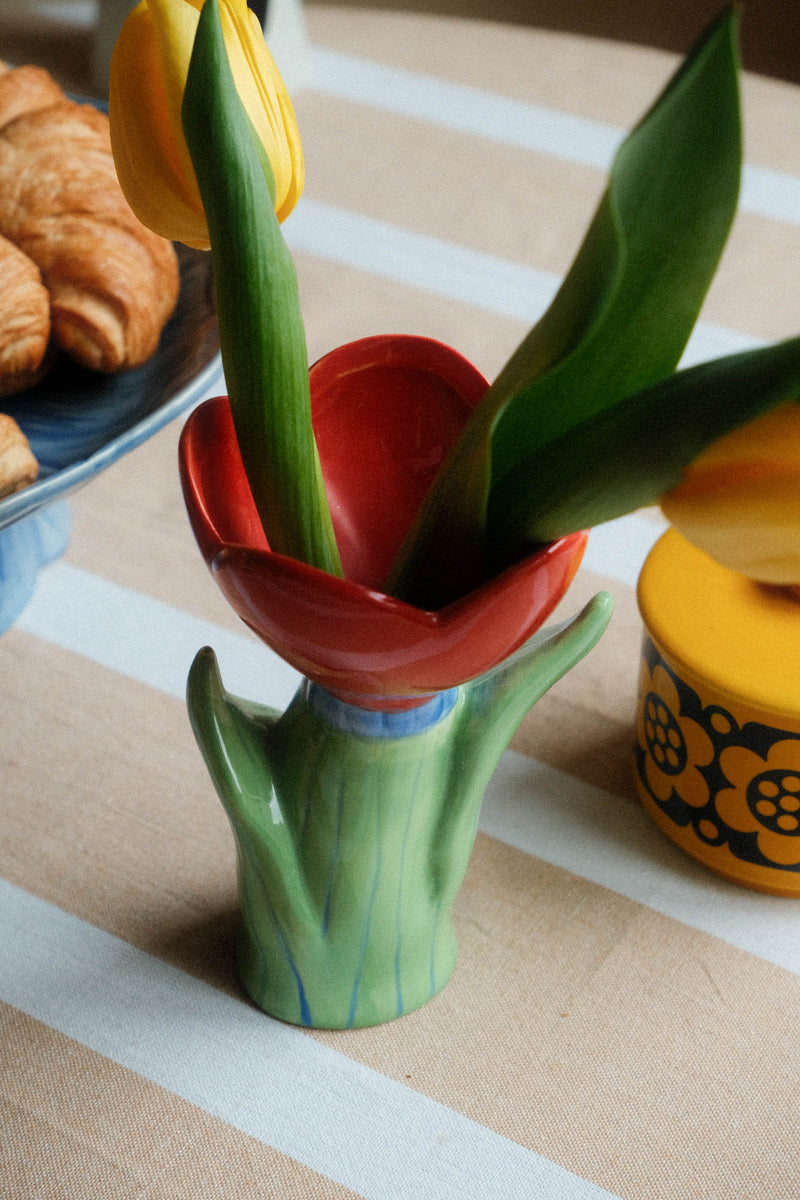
x=24, y=320
x=25, y=89
x=18, y=467
x=112, y=283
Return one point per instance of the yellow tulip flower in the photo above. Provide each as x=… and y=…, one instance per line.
x=740, y=500
x=147, y=79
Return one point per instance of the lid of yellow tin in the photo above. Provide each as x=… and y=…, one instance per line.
x=741, y=637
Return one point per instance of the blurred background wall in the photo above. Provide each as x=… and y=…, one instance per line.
x=770, y=28
x=59, y=33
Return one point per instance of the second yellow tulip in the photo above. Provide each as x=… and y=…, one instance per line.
x=740, y=500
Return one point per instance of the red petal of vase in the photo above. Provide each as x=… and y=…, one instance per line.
x=386, y=411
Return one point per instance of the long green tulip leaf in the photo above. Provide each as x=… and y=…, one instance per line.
x=262, y=337
x=628, y=456
x=619, y=322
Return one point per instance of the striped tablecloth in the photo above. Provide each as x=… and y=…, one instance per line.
x=621, y=1023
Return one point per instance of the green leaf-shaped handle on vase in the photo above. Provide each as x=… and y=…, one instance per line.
x=354, y=828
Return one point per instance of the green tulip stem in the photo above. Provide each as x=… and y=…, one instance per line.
x=262, y=337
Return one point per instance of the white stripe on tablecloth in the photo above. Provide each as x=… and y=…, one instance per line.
x=612, y=842
x=271, y=1081
x=154, y=643
x=528, y=804
x=617, y=549
x=420, y=261
x=456, y=272
x=470, y=110
x=146, y=640
x=533, y=127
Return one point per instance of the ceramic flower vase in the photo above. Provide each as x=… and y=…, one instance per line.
x=717, y=756
x=354, y=828
x=354, y=812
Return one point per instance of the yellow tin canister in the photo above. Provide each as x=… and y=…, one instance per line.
x=717, y=755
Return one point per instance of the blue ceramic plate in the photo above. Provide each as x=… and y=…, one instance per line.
x=79, y=422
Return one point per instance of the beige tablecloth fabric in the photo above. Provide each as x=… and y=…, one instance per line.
x=595, y=1030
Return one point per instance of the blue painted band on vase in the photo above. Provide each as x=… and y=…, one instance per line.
x=349, y=718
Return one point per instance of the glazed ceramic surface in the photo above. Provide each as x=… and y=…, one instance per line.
x=386, y=410
x=79, y=422
x=354, y=828
x=354, y=812
x=718, y=728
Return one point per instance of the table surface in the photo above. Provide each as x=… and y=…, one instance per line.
x=621, y=1023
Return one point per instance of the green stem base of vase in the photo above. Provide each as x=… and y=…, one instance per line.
x=382, y=993
x=354, y=829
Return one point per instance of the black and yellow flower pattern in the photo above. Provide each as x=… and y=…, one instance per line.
x=764, y=798
x=675, y=746
x=726, y=790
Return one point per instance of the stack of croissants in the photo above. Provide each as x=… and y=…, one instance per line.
x=79, y=273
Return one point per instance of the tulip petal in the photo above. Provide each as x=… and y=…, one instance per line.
x=152, y=163
x=266, y=100
x=740, y=501
x=348, y=637
x=146, y=84
x=750, y=524
x=175, y=27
